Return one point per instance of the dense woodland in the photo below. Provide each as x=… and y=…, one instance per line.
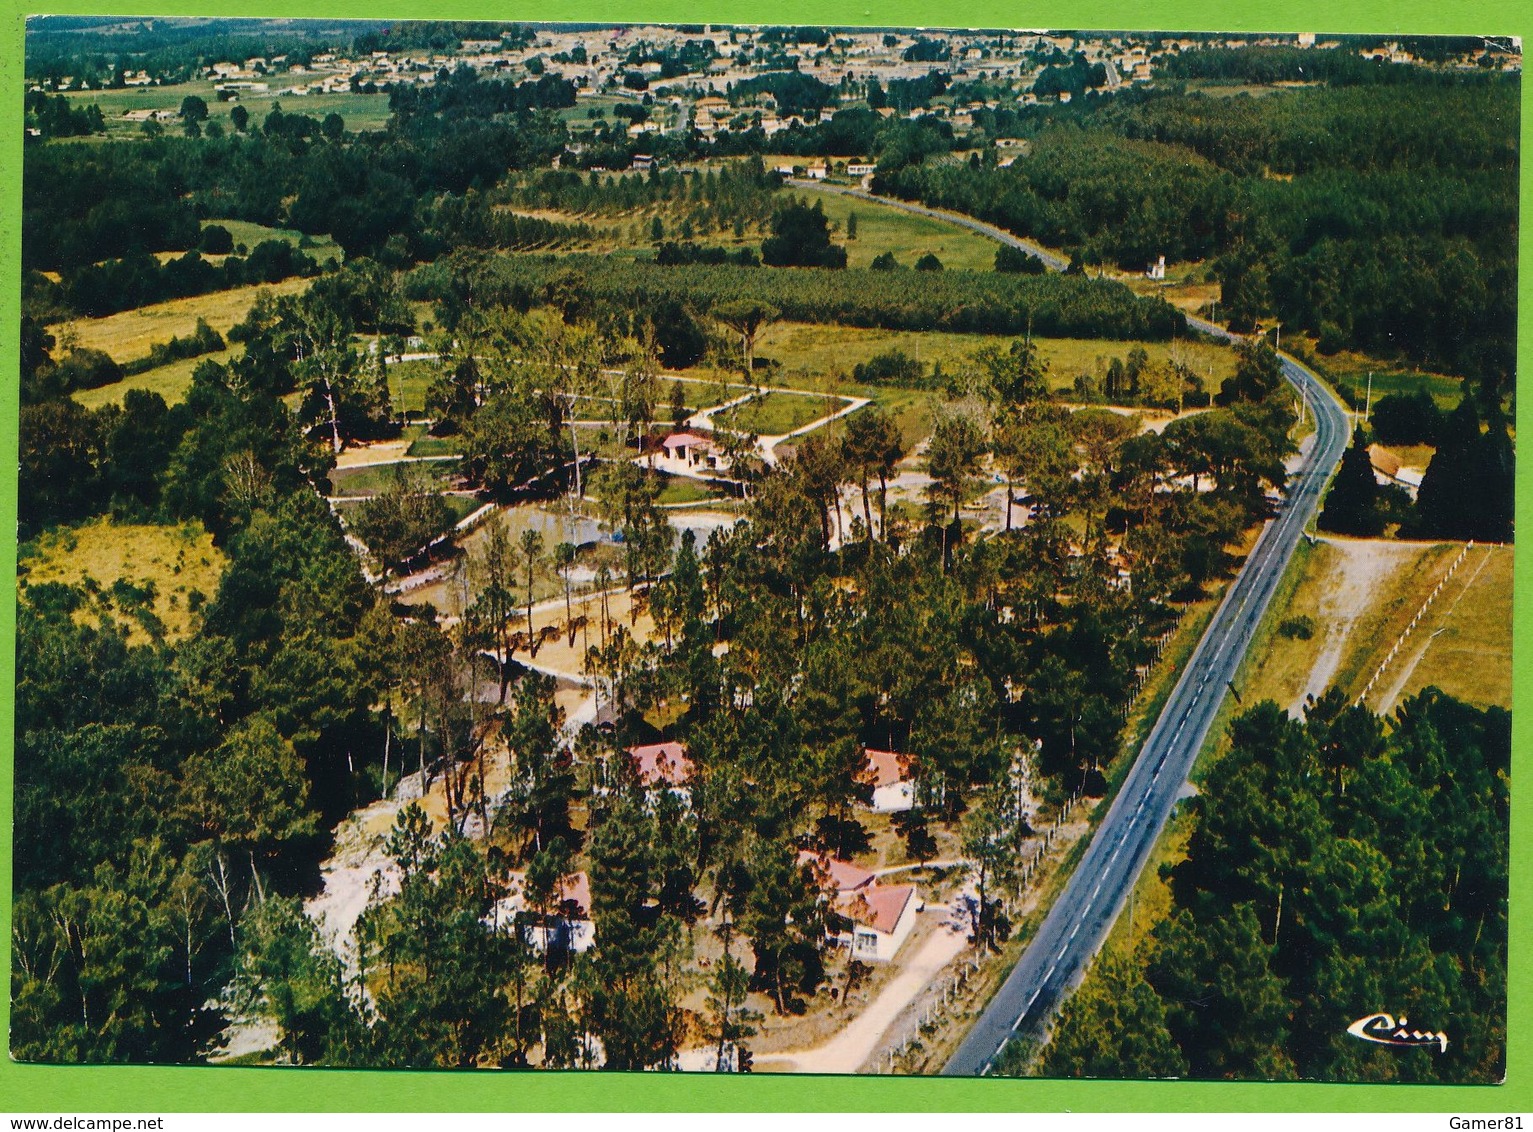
x=1338, y=866
x=1374, y=216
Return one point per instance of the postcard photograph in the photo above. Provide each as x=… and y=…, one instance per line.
x=743, y=549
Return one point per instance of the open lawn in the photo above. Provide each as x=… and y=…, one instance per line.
x=169, y=381
x=171, y=570
x=371, y=480
x=408, y=382
x=320, y=248
x=1348, y=373
x=1464, y=645
x=129, y=335
x=778, y=413
x=680, y=489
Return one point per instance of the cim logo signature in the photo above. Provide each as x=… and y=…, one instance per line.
x=1386, y=1030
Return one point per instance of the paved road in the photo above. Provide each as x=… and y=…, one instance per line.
x=1079, y=920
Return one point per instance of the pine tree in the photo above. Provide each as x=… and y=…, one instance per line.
x=1352, y=507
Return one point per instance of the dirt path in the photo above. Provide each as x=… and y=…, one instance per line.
x=860, y=1038
x=1363, y=566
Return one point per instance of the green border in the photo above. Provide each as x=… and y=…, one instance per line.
x=166, y=1089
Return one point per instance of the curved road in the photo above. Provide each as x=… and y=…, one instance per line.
x=1078, y=922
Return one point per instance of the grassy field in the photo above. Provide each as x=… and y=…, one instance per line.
x=1360, y=595
x=424, y=445
x=1466, y=649
x=408, y=382
x=129, y=335
x=680, y=489
x=170, y=381
x=320, y=248
x=361, y=111
x=882, y=228
x=821, y=350
x=178, y=562
x=1349, y=372
x=373, y=479
x=777, y=413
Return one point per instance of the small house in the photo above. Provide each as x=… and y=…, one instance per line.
x=692, y=451
x=663, y=766
x=566, y=926
x=872, y=920
x=889, y=775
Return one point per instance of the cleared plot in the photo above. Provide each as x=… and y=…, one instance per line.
x=1464, y=645
x=129, y=335
x=1350, y=601
x=778, y=413
x=408, y=382
x=167, y=570
x=424, y=445
x=371, y=480
x=680, y=489
x=170, y=381
x=1348, y=372
x=320, y=248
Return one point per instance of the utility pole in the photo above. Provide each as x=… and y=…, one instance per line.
x=1368, y=404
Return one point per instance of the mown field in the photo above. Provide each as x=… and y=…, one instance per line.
x=170, y=381
x=1358, y=596
x=822, y=350
x=320, y=248
x=172, y=564
x=778, y=413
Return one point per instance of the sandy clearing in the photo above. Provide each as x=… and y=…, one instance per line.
x=1361, y=567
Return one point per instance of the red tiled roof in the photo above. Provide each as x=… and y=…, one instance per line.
x=576, y=889
x=884, y=768
x=687, y=440
x=662, y=762
x=877, y=907
x=843, y=875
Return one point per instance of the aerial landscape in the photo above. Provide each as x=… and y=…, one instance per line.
x=765, y=549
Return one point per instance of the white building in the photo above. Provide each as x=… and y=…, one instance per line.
x=876, y=918
x=568, y=926
x=691, y=451
x=893, y=790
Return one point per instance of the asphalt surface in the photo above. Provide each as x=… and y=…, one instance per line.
x=1078, y=923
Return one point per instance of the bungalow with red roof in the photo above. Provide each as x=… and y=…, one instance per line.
x=889, y=775
x=663, y=766
x=692, y=451
x=877, y=918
